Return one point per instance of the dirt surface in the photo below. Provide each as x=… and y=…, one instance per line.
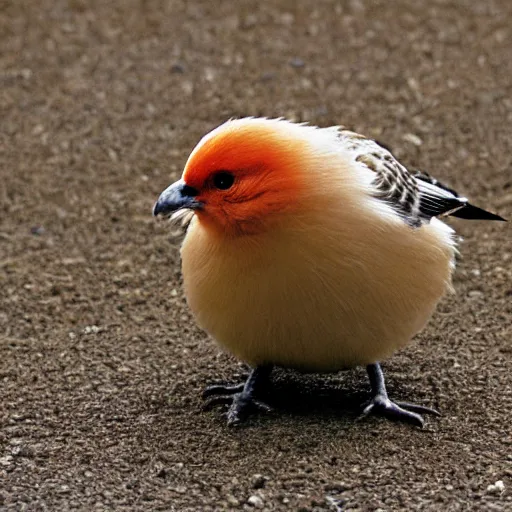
x=101, y=365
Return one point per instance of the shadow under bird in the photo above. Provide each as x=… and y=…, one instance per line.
x=311, y=248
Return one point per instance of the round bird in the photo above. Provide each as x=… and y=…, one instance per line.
x=311, y=248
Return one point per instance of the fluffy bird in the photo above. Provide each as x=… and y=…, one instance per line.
x=311, y=248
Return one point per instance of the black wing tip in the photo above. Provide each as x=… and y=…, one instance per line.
x=471, y=212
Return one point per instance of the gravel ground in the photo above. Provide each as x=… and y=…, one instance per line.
x=101, y=365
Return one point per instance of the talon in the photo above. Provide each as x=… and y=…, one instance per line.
x=240, y=397
x=385, y=407
x=221, y=389
x=418, y=408
x=241, y=407
x=380, y=404
x=216, y=400
x=262, y=406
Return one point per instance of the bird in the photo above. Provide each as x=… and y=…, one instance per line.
x=310, y=248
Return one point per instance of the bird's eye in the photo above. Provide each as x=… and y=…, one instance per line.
x=223, y=180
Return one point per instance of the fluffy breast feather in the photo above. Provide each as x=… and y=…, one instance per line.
x=339, y=282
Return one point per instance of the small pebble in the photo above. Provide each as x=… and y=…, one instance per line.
x=267, y=76
x=413, y=139
x=287, y=18
x=336, y=487
x=91, y=329
x=496, y=488
x=178, y=68
x=296, y=62
x=37, y=230
x=38, y=129
x=255, y=501
x=232, y=500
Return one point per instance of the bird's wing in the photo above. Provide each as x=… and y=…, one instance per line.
x=415, y=197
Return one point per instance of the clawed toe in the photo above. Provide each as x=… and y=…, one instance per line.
x=239, y=397
x=383, y=406
x=222, y=389
x=421, y=409
x=242, y=406
x=213, y=401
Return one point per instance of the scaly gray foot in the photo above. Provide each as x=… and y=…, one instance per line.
x=239, y=397
x=381, y=405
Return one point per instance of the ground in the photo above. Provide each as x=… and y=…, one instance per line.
x=101, y=364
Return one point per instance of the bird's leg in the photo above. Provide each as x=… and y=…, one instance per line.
x=240, y=397
x=381, y=404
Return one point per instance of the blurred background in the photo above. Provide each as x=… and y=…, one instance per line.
x=101, y=365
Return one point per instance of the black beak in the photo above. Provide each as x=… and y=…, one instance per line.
x=176, y=197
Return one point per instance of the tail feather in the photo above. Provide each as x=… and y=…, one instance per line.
x=474, y=213
x=468, y=211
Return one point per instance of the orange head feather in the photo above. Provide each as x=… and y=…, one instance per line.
x=245, y=174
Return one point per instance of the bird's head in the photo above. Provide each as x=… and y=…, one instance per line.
x=244, y=175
